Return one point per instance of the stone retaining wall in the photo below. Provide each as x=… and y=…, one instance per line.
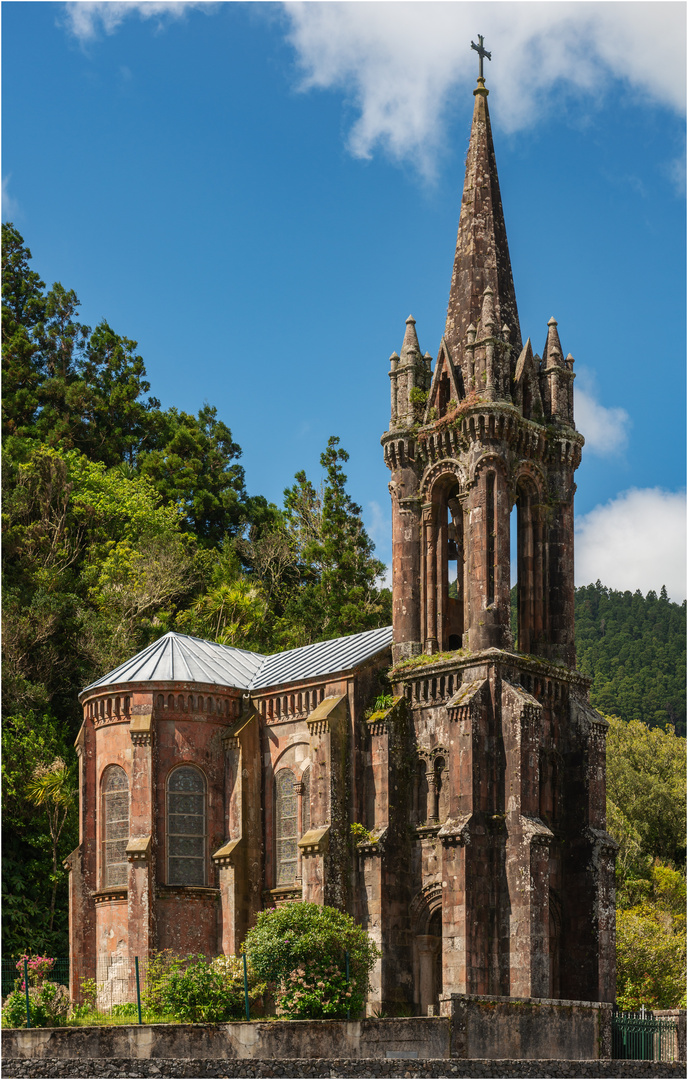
x=413, y=1038
x=116, y=1068
x=498, y=1027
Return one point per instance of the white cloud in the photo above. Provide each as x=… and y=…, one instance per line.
x=400, y=64
x=605, y=429
x=86, y=19
x=635, y=541
x=10, y=206
x=379, y=524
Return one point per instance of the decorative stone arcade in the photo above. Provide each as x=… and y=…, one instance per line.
x=517, y=858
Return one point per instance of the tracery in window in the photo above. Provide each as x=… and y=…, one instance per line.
x=186, y=843
x=115, y=791
x=286, y=827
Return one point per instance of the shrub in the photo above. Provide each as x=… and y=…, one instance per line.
x=49, y=1005
x=209, y=991
x=300, y=950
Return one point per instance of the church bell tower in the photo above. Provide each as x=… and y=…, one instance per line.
x=517, y=859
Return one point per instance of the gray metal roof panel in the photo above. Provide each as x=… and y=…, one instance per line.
x=321, y=658
x=181, y=658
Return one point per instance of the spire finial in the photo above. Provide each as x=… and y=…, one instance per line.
x=482, y=52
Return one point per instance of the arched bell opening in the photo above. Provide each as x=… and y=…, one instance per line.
x=444, y=568
x=530, y=598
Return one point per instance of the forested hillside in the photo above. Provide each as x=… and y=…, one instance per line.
x=633, y=647
x=634, y=650
x=122, y=520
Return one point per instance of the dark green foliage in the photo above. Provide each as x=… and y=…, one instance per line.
x=297, y=941
x=192, y=461
x=634, y=650
x=633, y=647
x=336, y=593
x=197, y=990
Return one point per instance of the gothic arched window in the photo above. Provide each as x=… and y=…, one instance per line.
x=286, y=833
x=186, y=842
x=115, y=828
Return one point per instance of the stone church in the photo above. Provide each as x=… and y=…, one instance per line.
x=216, y=782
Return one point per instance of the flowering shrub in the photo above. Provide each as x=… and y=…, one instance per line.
x=299, y=949
x=319, y=993
x=49, y=1005
x=38, y=968
x=209, y=991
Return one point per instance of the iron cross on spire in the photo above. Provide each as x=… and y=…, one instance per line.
x=481, y=51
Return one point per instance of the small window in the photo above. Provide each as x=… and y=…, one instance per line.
x=306, y=801
x=115, y=826
x=186, y=827
x=286, y=832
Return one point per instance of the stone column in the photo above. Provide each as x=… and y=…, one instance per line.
x=527, y=846
x=325, y=847
x=431, y=644
x=142, y=829
x=82, y=864
x=239, y=860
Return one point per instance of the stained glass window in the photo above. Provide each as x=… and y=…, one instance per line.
x=186, y=827
x=115, y=826
x=305, y=801
x=285, y=798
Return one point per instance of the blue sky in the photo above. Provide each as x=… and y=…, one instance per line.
x=259, y=194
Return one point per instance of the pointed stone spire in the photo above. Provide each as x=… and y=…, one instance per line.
x=553, y=355
x=482, y=251
x=410, y=348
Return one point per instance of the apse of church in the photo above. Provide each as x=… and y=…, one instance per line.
x=216, y=782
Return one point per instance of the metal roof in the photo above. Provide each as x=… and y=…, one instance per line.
x=180, y=658
x=322, y=658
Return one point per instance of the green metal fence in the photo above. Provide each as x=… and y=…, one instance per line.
x=640, y=1036
x=13, y=973
x=120, y=989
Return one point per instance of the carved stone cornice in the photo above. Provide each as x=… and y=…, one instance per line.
x=225, y=855
x=139, y=849
x=141, y=729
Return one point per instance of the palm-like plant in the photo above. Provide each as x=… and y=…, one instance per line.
x=52, y=786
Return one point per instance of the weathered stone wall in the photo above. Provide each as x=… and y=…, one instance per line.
x=485, y=1027
x=109, y=1068
x=424, y=1037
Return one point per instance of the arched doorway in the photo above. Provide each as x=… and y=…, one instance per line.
x=428, y=956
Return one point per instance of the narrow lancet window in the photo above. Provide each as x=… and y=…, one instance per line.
x=286, y=830
x=115, y=826
x=490, y=538
x=186, y=842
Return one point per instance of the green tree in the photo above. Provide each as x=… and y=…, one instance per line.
x=646, y=789
x=192, y=461
x=32, y=743
x=336, y=592
x=23, y=306
x=646, y=814
x=651, y=943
